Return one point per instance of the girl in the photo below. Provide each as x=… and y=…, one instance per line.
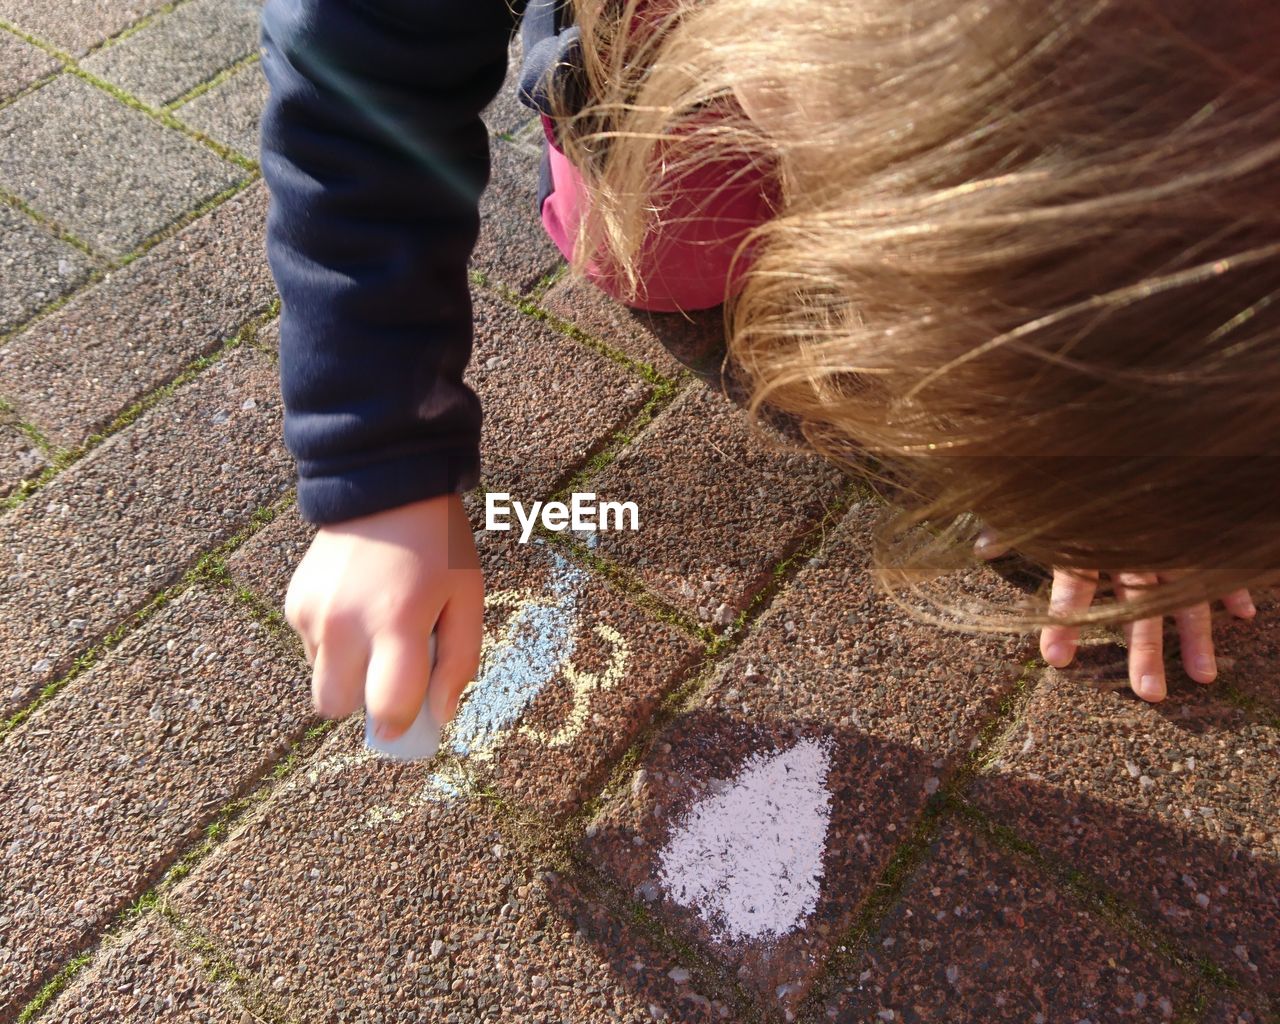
x=1023, y=253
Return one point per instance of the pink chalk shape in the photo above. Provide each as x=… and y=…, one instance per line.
x=748, y=858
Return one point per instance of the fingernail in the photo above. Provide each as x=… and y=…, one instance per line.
x=1151, y=687
x=1058, y=654
x=1250, y=610
x=1206, y=666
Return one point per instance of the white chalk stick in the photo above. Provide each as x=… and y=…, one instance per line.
x=419, y=742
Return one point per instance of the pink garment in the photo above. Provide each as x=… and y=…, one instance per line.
x=685, y=263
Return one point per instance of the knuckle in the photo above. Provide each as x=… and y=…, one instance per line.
x=338, y=621
x=1196, y=614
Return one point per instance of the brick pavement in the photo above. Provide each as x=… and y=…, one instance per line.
x=706, y=774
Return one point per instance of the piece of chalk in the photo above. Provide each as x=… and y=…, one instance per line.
x=420, y=741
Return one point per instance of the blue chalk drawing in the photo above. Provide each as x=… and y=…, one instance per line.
x=540, y=637
x=534, y=646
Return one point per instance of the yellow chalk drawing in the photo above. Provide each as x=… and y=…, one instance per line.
x=583, y=684
x=534, y=646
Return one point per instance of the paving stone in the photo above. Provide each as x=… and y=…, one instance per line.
x=76, y=370
x=549, y=402
x=532, y=436
x=570, y=674
x=699, y=471
x=106, y=172
x=754, y=838
x=111, y=780
x=506, y=114
x=231, y=111
x=833, y=677
x=123, y=523
x=20, y=459
x=1248, y=652
x=75, y=25
x=21, y=64
x=35, y=267
x=145, y=976
x=179, y=50
x=669, y=342
x=513, y=248
x=834, y=648
x=570, y=671
x=1172, y=805
x=265, y=562
x=1233, y=1010
x=979, y=938
x=372, y=890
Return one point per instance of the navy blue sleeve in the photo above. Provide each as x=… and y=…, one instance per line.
x=375, y=157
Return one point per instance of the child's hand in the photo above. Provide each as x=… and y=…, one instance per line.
x=1073, y=591
x=365, y=598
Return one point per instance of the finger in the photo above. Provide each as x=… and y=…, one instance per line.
x=1195, y=637
x=988, y=545
x=399, y=673
x=1240, y=604
x=1071, y=593
x=338, y=677
x=295, y=608
x=459, y=632
x=1146, y=642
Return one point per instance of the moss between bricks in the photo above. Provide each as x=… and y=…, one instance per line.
x=163, y=117
x=1094, y=896
x=209, y=568
x=213, y=82
x=154, y=900
x=61, y=459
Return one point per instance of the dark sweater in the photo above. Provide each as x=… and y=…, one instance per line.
x=375, y=157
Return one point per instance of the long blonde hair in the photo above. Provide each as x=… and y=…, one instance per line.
x=1027, y=256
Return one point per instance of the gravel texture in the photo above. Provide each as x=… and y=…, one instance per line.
x=1249, y=651
x=575, y=671
x=1173, y=805
x=179, y=50
x=347, y=913
x=20, y=459
x=125, y=521
x=669, y=342
x=104, y=171
x=513, y=248
x=506, y=114
x=266, y=561
x=75, y=25
x=21, y=64
x=231, y=111
x=699, y=471
x=75, y=370
x=106, y=784
x=1231, y=1010
x=147, y=976
x=896, y=703
x=979, y=938
x=549, y=402
x=35, y=268
x=572, y=673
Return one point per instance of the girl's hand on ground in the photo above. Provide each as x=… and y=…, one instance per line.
x=365, y=599
x=1073, y=591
